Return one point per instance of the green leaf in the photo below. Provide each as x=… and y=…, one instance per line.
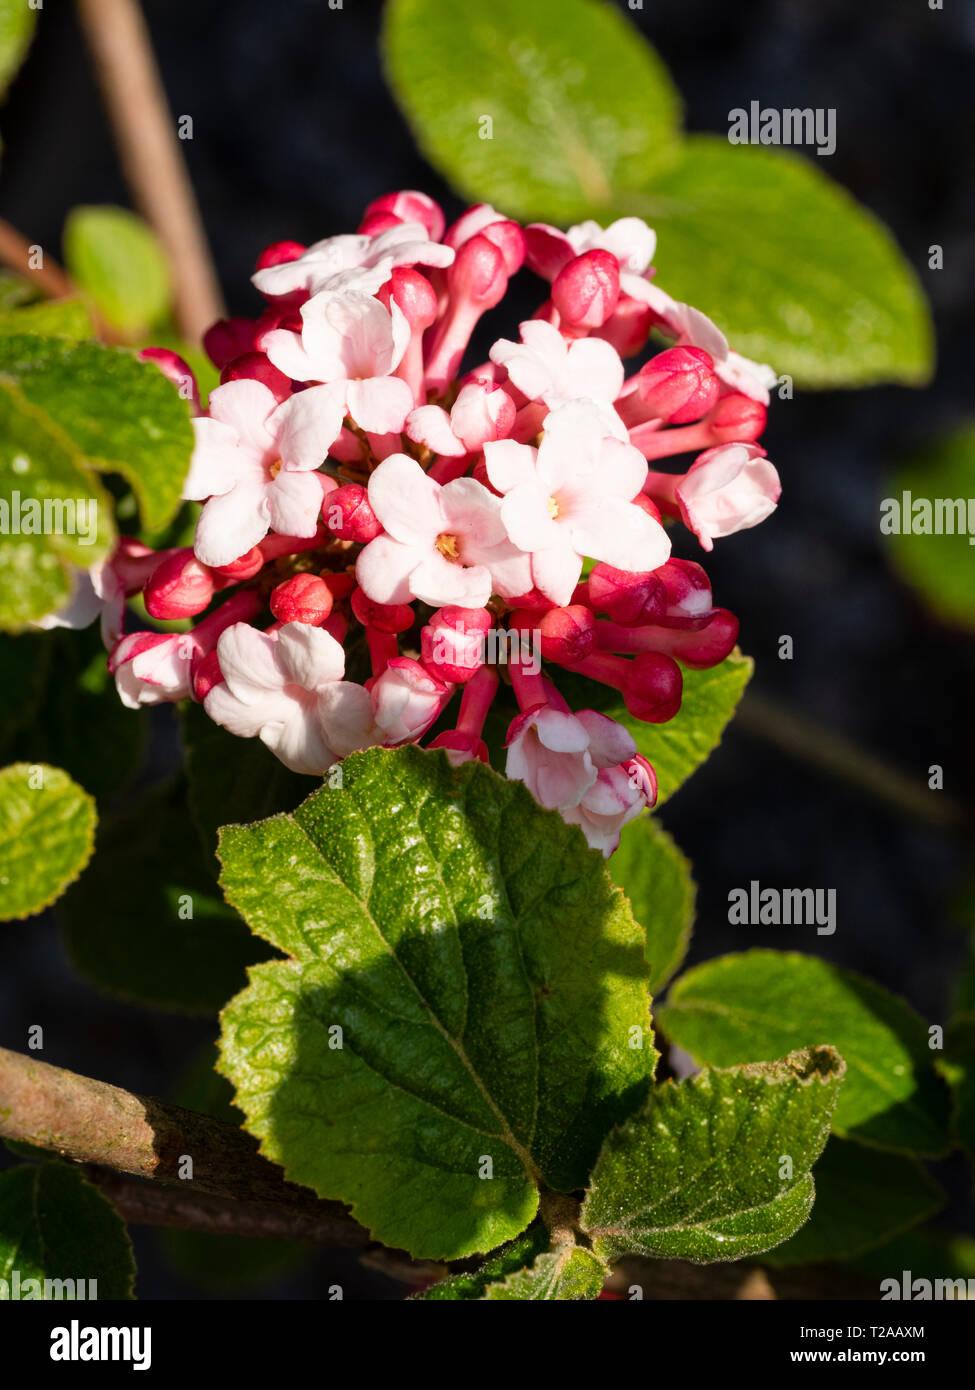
x=509, y=1259
x=75, y=718
x=490, y=986
x=765, y=1003
x=55, y=1226
x=17, y=23
x=863, y=1198
x=716, y=1168
x=793, y=270
x=679, y=747
x=121, y=414
x=145, y=922
x=562, y=137
x=656, y=878
x=56, y=318
x=114, y=257
x=234, y=779
x=569, y=1273
x=47, y=829
x=941, y=568
x=39, y=469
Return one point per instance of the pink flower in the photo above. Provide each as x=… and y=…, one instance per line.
x=406, y=700
x=360, y=262
x=727, y=489
x=482, y=412
x=616, y=797
x=545, y=367
x=153, y=667
x=558, y=755
x=573, y=497
x=255, y=461
x=354, y=344
x=443, y=544
x=286, y=688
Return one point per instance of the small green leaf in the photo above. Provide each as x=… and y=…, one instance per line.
x=509, y=1259
x=57, y=1229
x=146, y=923
x=793, y=270
x=120, y=414
x=56, y=518
x=487, y=982
x=512, y=103
x=769, y=1002
x=656, y=878
x=569, y=1273
x=17, y=24
x=47, y=829
x=679, y=747
x=114, y=257
x=56, y=318
x=715, y=1168
x=863, y=1198
x=940, y=567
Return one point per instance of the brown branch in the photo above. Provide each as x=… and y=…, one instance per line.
x=92, y=1122
x=15, y=251
x=150, y=152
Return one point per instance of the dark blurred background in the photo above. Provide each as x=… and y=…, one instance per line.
x=294, y=132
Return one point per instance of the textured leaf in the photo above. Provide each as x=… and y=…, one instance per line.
x=697, y=1174
x=114, y=257
x=54, y=1225
x=941, y=568
x=128, y=927
x=863, y=1198
x=488, y=980
x=569, y=1273
x=38, y=468
x=767, y=1002
x=58, y=318
x=47, y=828
x=509, y=1259
x=121, y=414
x=656, y=878
x=17, y=23
x=786, y=262
x=563, y=138
x=234, y=779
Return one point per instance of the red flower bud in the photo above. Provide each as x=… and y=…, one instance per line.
x=568, y=634
x=227, y=339
x=586, y=291
x=179, y=587
x=384, y=617
x=407, y=205
x=303, y=598
x=678, y=385
x=348, y=515
x=254, y=366
x=653, y=688
x=737, y=419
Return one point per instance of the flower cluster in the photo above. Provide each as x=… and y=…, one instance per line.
x=382, y=529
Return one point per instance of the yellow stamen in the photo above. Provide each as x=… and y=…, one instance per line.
x=275, y=468
x=447, y=545
x=553, y=508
